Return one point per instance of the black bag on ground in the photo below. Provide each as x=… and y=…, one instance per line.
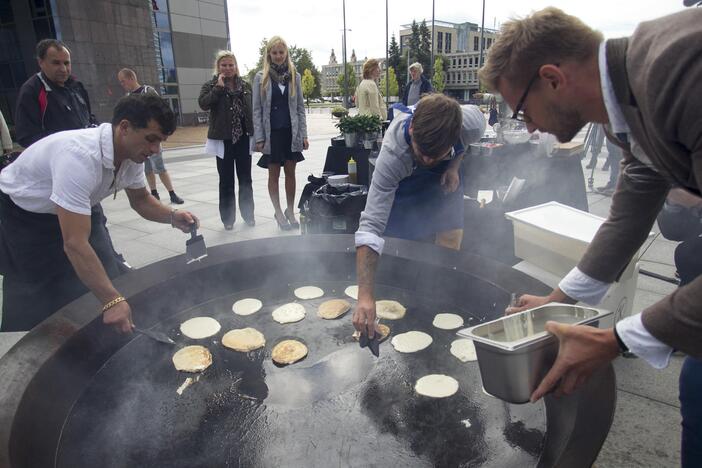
x=335, y=209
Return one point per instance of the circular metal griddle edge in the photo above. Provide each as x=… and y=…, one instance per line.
x=575, y=431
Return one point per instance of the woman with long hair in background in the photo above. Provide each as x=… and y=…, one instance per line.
x=228, y=98
x=280, y=125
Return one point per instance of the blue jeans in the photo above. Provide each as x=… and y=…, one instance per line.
x=691, y=411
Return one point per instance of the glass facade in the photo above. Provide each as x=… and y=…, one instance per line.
x=13, y=69
x=165, y=59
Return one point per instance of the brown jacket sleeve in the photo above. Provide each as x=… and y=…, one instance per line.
x=638, y=198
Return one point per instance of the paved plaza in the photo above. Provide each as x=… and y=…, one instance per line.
x=646, y=429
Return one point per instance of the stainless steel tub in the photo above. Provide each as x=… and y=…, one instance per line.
x=515, y=351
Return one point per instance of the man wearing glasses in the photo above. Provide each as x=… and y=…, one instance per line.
x=414, y=192
x=559, y=74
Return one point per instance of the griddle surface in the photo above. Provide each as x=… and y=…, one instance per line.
x=338, y=407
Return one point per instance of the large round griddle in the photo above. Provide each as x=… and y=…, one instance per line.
x=82, y=396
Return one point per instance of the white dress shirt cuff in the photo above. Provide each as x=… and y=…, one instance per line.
x=581, y=287
x=371, y=240
x=640, y=342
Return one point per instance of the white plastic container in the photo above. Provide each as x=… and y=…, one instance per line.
x=338, y=179
x=552, y=235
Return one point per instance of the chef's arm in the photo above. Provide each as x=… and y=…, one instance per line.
x=366, y=264
x=149, y=208
x=75, y=230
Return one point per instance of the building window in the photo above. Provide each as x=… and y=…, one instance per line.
x=489, y=42
x=476, y=42
x=447, y=48
x=439, y=41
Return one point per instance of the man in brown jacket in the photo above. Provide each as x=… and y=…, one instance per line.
x=558, y=74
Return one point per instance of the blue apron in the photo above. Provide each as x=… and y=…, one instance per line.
x=421, y=208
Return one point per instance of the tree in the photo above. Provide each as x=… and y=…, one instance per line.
x=394, y=88
x=424, y=52
x=259, y=65
x=397, y=62
x=415, y=41
x=308, y=85
x=351, y=81
x=437, y=81
x=302, y=59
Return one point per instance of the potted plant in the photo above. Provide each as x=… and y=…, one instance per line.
x=369, y=126
x=339, y=111
x=349, y=127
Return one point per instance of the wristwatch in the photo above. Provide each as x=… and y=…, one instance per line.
x=623, y=348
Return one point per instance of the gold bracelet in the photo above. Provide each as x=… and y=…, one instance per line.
x=113, y=303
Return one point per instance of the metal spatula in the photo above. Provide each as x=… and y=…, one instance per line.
x=154, y=335
x=195, y=248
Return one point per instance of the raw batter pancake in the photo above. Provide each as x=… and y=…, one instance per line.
x=411, y=342
x=244, y=339
x=448, y=321
x=194, y=358
x=288, y=352
x=390, y=310
x=289, y=313
x=308, y=292
x=200, y=327
x=335, y=308
x=464, y=349
x=352, y=291
x=436, y=386
x=247, y=306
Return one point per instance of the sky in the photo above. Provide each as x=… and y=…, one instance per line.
x=317, y=24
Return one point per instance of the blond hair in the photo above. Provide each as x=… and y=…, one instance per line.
x=127, y=73
x=221, y=55
x=417, y=66
x=368, y=67
x=274, y=41
x=524, y=45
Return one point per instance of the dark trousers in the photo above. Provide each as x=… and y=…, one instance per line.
x=236, y=157
x=38, y=277
x=689, y=264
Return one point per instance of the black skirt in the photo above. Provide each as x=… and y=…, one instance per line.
x=281, y=140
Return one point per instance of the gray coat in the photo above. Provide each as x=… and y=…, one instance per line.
x=262, y=114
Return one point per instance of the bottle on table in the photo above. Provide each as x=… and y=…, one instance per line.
x=353, y=174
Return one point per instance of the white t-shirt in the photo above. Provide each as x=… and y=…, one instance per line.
x=72, y=169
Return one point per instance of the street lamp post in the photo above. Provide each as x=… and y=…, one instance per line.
x=343, y=45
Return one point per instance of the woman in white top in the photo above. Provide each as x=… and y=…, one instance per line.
x=280, y=125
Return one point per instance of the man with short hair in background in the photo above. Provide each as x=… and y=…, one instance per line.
x=154, y=165
x=417, y=86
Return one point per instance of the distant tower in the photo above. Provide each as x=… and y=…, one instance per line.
x=332, y=58
x=353, y=55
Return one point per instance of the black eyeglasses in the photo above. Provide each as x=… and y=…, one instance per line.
x=518, y=112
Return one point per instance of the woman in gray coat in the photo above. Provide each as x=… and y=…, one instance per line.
x=280, y=125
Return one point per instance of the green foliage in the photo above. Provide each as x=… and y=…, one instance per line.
x=368, y=123
x=308, y=85
x=351, y=76
x=397, y=62
x=437, y=81
x=339, y=111
x=347, y=124
x=423, y=54
x=360, y=124
x=394, y=88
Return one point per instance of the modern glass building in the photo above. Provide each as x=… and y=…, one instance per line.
x=171, y=45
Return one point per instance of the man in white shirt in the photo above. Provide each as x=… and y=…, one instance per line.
x=49, y=249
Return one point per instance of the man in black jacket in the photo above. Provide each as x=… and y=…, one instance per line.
x=51, y=101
